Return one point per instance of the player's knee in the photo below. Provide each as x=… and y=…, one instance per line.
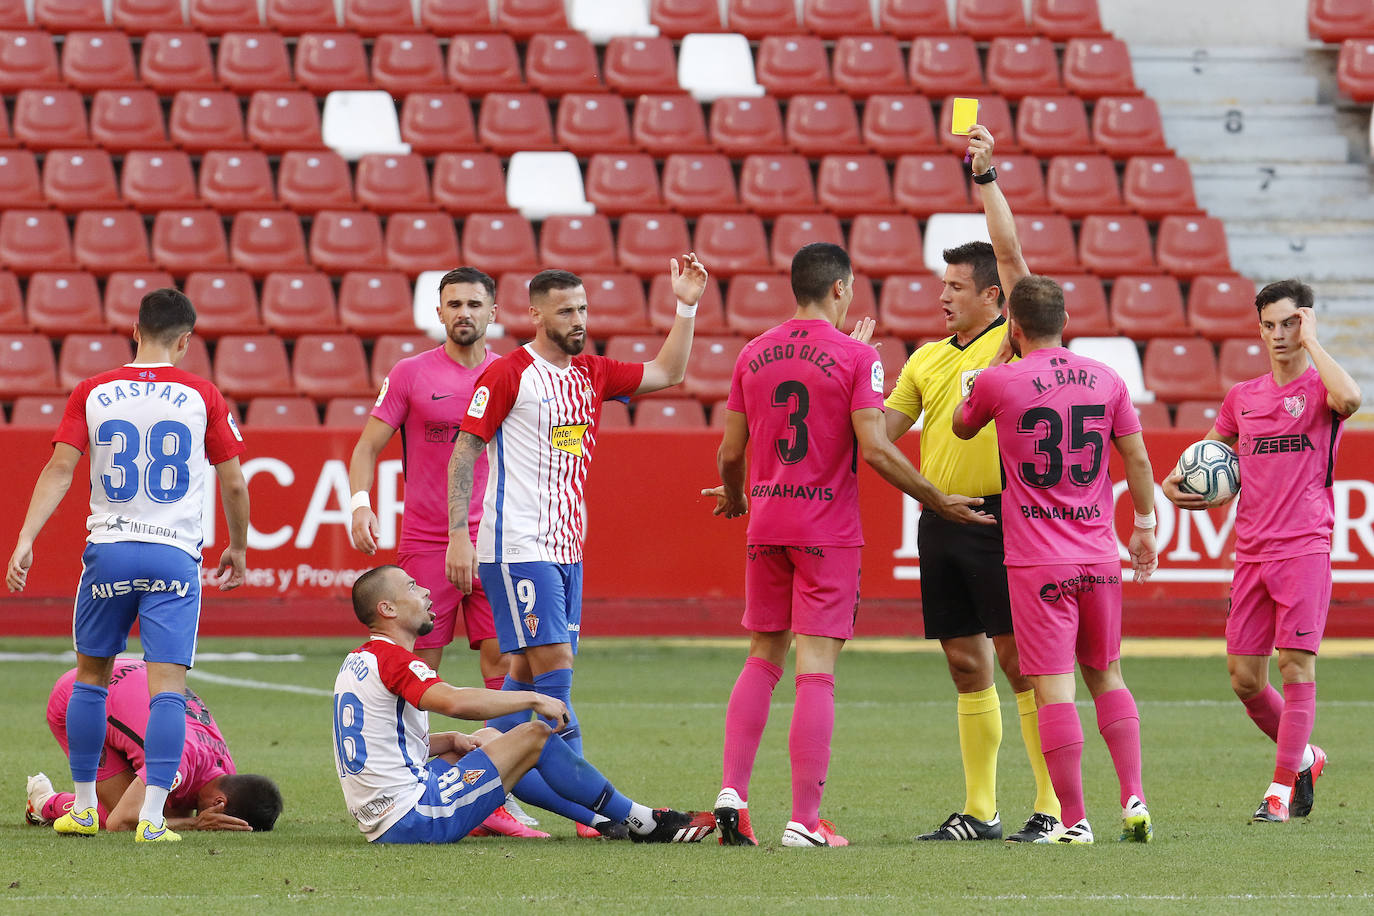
x=1246, y=683
x=535, y=732
x=255, y=799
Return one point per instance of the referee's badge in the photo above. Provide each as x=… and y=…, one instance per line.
x=966, y=380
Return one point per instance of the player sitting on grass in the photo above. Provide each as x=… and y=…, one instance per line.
x=207, y=794
x=384, y=692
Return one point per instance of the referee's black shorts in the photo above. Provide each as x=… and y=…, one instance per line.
x=963, y=575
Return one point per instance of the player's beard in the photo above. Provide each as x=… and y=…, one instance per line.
x=465, y=335
x=567, y=344
x=425, y=628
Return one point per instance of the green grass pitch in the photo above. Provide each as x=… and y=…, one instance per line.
x=652, y=713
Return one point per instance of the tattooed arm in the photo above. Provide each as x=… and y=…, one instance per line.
x=460, y=560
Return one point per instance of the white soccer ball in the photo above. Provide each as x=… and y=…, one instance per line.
x=1211, y=470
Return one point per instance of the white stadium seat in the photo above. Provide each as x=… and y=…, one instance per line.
x=712, y=67
x=945, y=230
x=603, y=20
x=358, y=123
x=1122, y=355
x=546, y=184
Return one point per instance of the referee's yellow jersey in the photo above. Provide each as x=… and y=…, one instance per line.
x=934, y=380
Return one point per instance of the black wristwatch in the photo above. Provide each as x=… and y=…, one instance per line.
x=988, y=176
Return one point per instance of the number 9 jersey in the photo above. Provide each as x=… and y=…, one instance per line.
x=797, y=386
x=153, y=432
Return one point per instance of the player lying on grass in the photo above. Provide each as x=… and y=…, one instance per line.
x=207, y=794
x=385, y=692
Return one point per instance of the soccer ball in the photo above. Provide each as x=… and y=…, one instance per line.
x=1210, y=469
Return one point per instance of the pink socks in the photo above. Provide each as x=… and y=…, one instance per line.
x=745, y=718
x=813, y=723
x=1265, y=709
x=1119, y=722
x=1061, y=741
x=1295, y=727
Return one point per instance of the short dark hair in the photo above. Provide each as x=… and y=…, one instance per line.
x=468, y=275
x=1037, y=306
x=255, y=799
x=547, y=280
x=815, y=268
x=165, y=314
x=368, y=589
x=1298, y=291
x=983, y=260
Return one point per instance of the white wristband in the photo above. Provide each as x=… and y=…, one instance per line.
x=1145, y=522
x=686, y=311
x=361, y=500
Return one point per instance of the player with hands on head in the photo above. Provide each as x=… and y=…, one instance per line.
x=1285, y=427
x=403, y=784
x=811, y=398
x=153, y=432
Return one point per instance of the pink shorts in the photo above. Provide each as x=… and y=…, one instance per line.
x=112, y=760
x=809, y=590
x=428, y=570
x=1279, y=604
x=1065, y=612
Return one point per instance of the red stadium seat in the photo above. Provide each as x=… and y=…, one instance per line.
x=479, y=64
x=1336, y=20
x=1094, y=67
x=790, y=64
x=262, y=241
x=616, y=301
x=1065, y=20
x=758, y=19
x=908, y=19
x=910, y=308
x=98, y=60
x=332, y=61
x=468, y=182
x=1022, y=182
x=1079, y=185
x=987, y=19
x=1240, y=360
x=590, y=123
x=1221, y=306
x=28, y=366
x=838, y=18
x=36, y=411
x=202, y=121
x=638, y=348
x=670, y=413
x=285, y=120
x=894, y=125
x=379, y=17
x=526, y=18
x=622, y=182
x=513, y=302
x=1086, y=305
x=124, y=291
x=28, y=60
x=291, y=412
x=993, y=112
x=225, y=302
x=347, y=413
x=1047, y=243
x=793, y=230
x=74, y=179
x=85, y=355
x=565, y=62
x=512, y=121
x=106, y=240
x=1152, y=415
x=1023, y=66
x=420, y=241
x=926, y=184
x=125, y=119
x=6, y=137
x=35, y=240
x=892, y=353
x=249, y=61
x=373, y=302
x=710, y=367
x=1193, y=245
x=1129, y=126
x=1355, y=69
x=347, y=240
x=696, y=183
x=252, y=365
x=12, y=316
x=740, y=126
x=296, y=17
x=1149, y=306
x=232, y=180
x=676, y=18
x=1197, y=415
x=885, y=244
x=14, y=14
x=327, y=366
x=300, y=302
x=436, y=122
x=665, y=124
x=663, y=306
x=1181, y=368
x=821, y=124
x=777, y=184
x=615, y=415
x=577, y=243
x=731, y=243
x=406, y=63
x=1115, y=244
x=189, y=240
x=50, y=119
x=636, y=64
x=389, y=349
x=500, y=242
x=216, y=17
x=140, y=17
x=63, y=302
x=1155, y=186
x=311, y=180
x=174, y=61
x=646, y=241
x=847, y=185
x=65, y=15
x=387, y=183
x=946, y=65
x=869, y=64
x=455, y=17
x=1053, y=125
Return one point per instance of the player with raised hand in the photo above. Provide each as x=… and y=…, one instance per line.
x=153, y=432
x=1055, y=413
x=811, y=398
x=1285, y=427
x=964, y=599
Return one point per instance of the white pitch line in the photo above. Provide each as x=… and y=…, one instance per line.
x=197, y=674
x=70, y=657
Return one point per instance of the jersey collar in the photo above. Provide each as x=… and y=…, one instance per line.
x=996, y=323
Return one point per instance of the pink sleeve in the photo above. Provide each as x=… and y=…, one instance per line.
x=72, y=428
x=736, y=399
x=1226, y=417
x=618, y=379
x=867, y=388
x=403, y=673
x=1125, y=421
x=492, y=399
x=393, y=401
x=981, y=403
